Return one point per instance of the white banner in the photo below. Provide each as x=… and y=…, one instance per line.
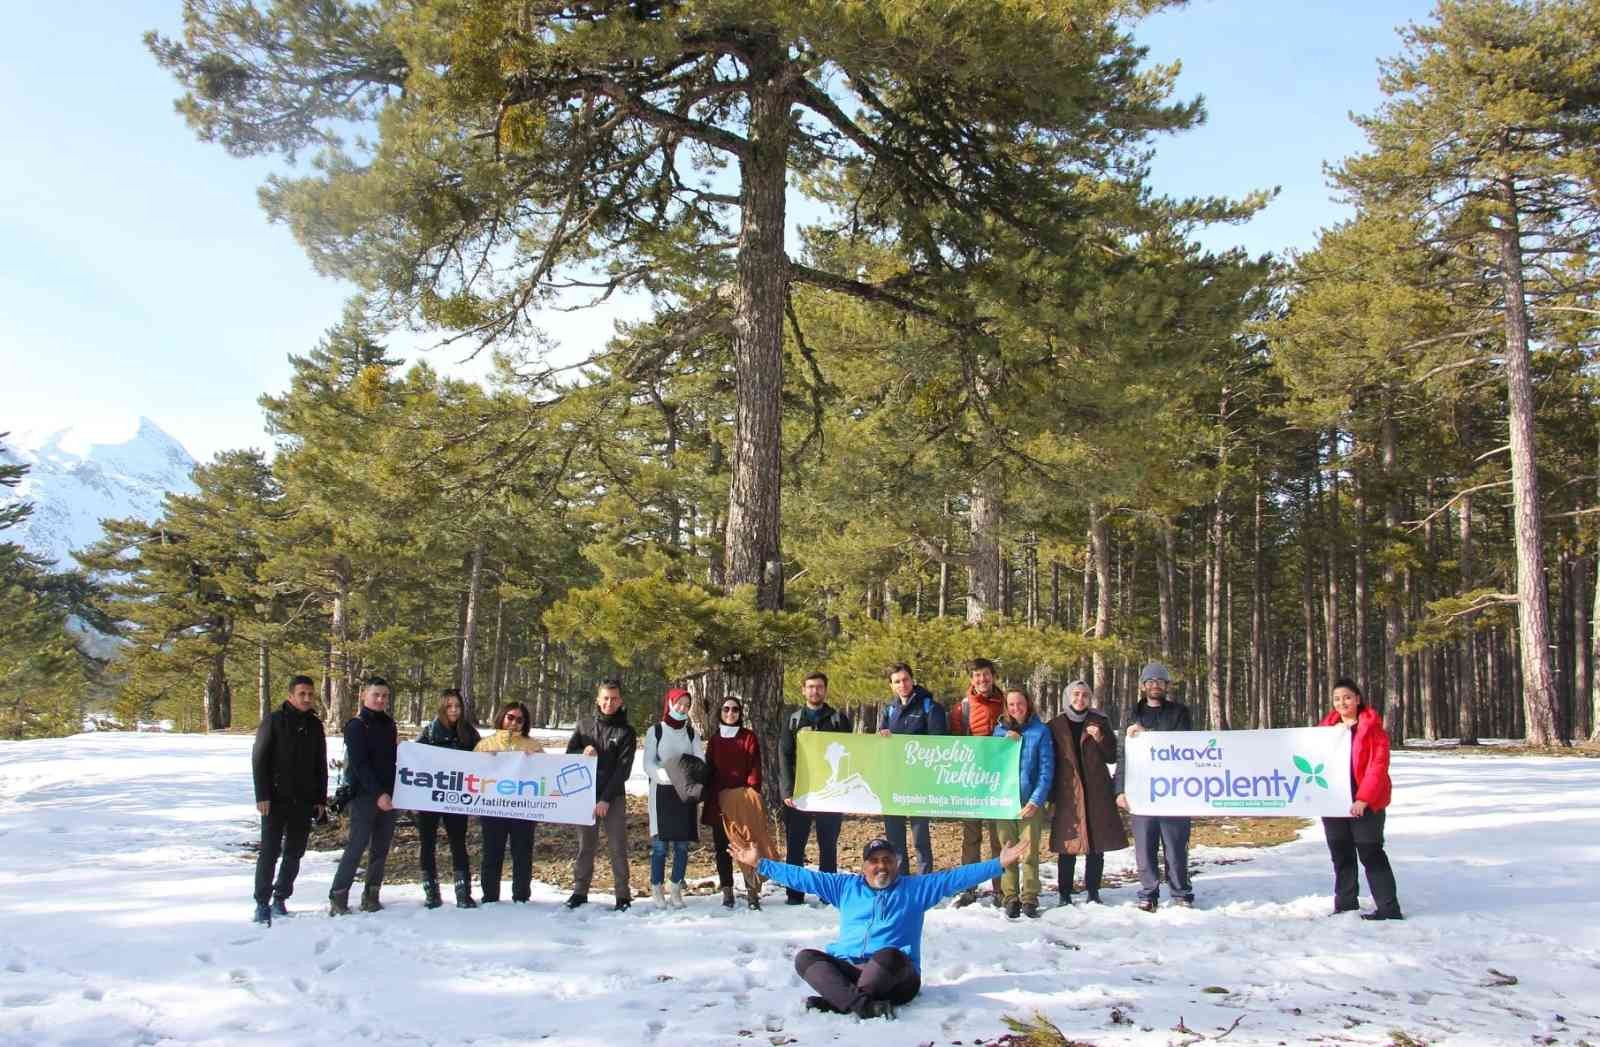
x=1300, y=772
x=536, y=787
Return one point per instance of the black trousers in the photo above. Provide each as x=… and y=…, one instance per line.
x=797, y=830
x=284, y=831
x=1352, y=838
x=894, y=828
x=888, y=974
x=496, y=833
x=1094, y=868
x=719, y=847
x=455, y=828
x=369, y=828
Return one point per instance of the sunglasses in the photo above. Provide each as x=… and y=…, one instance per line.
x=733, y=708
x=513, y=717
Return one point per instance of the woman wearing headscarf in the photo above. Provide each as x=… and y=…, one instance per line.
x=448, y=730
x=511, y=735
x=1086, y=821
x=672, y=818
x=1361, y=834
x=733, y=807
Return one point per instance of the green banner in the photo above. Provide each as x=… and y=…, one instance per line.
x=907, y=774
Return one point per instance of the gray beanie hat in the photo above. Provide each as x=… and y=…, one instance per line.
x=1079, y=683
x=1154, y=671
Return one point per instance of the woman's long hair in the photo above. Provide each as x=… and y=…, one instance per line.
x=500, y=717
x=466, y=733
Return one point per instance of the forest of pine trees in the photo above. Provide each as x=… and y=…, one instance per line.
x=1001, y=401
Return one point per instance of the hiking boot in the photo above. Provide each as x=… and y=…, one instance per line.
x=675, y=896
x=869, y=1008
x=464, y=893
x=794, y=899
x=339, y=903
x=820, y=1003
x=755, y=902
x=623, y=905
x=263, y=914
x=1383, y=914
x=369, y=900
x=1147, y=905
x=430, y=894
x=1013, y=909
x=658, y=894
x=727, y=897
x=278, y=908
x=999, y=900
x=1183, y=903
x=1064, y=900
x=1030, y=910
x=966, y=898
x=576, y=900
x=1093, y=898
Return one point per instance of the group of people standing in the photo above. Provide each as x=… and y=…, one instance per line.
x=1065, y=781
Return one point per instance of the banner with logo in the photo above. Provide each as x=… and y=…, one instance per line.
x=536, y=787
x=1301, y=772
x=907, y=774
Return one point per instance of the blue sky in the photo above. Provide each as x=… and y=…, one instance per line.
x=141, y=278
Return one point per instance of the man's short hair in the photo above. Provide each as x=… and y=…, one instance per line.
x=816, y=675
x=609, y=683
x=980, y=663
x=901, y=667
x=296, y=681
x=374, y=681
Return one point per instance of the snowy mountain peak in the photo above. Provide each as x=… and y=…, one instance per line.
x=83, y=474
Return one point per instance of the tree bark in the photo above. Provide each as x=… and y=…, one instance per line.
x=264, y=678
x=1394, y=709
x=339, y=700
x=983, y=575
x=1466, y=649
x=1333, y=654
x=1100, y=550
x=752, y=536
x=1533, y=614
x=1165, y=555
x=1260, y=703
x=1362, y=593
x=469, y=634
x=1216, y=707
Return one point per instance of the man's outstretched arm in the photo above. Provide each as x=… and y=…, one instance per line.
x=824, y=885
x=934, y=887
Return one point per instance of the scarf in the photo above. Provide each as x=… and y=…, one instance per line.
x=728, y=731
x=1074, y=715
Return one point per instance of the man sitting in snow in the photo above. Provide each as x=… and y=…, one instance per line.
x=873, y=967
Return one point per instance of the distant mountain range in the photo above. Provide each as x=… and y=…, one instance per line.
x=75, y=482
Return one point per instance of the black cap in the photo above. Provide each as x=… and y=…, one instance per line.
x=877, y=843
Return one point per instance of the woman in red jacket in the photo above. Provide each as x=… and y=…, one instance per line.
x=1361, y=834
x=733, y=806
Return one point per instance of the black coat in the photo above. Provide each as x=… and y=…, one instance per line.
x=441, y=734
x=290, y=758
x=614, y=740
x=1168, y=716
x=371, y=744
x=827, y=719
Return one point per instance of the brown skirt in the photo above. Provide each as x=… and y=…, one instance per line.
x=744, y=819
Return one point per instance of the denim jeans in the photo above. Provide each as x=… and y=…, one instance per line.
x=658, y=859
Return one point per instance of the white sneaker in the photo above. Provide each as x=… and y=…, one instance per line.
x=676, y=899
x=658, y=895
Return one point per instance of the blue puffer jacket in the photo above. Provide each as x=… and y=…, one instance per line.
x=1038, y=771
x=871, y=919
x=919, y=714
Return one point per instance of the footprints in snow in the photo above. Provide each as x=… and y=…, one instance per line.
x=25, y=999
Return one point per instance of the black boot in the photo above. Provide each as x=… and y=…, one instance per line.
x=369, y=898
x=576, y=900
x=727, y=897
x=263, y=914
x=339, y=903
x=430, y=894
x=278, y=908
x=464, y=891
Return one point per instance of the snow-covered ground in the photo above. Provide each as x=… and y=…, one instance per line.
x=125, y=907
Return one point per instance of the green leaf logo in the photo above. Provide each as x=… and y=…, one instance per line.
x=1320, y=780
x=1304, y=765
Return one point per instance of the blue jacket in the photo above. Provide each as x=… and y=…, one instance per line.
x=870, y=919
x=919, y=714
x=1038, y=769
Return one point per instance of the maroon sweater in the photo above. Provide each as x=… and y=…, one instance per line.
x=735, y=764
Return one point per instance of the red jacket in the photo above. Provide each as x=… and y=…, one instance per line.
x=1369, y=756
x=735, y=764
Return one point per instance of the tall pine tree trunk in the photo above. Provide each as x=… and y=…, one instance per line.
x=983, y=574
x=340, y=705
x=263, y=678
x=1533, y=614
x=1362, y=594
x=1216, y=706
x=1260, y=705
x=752, y=537
x=1394, y=710
x=1469, y=681
x=1100, y=550
x=1333, y=654
x=469, y=634
x=1165, y=554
